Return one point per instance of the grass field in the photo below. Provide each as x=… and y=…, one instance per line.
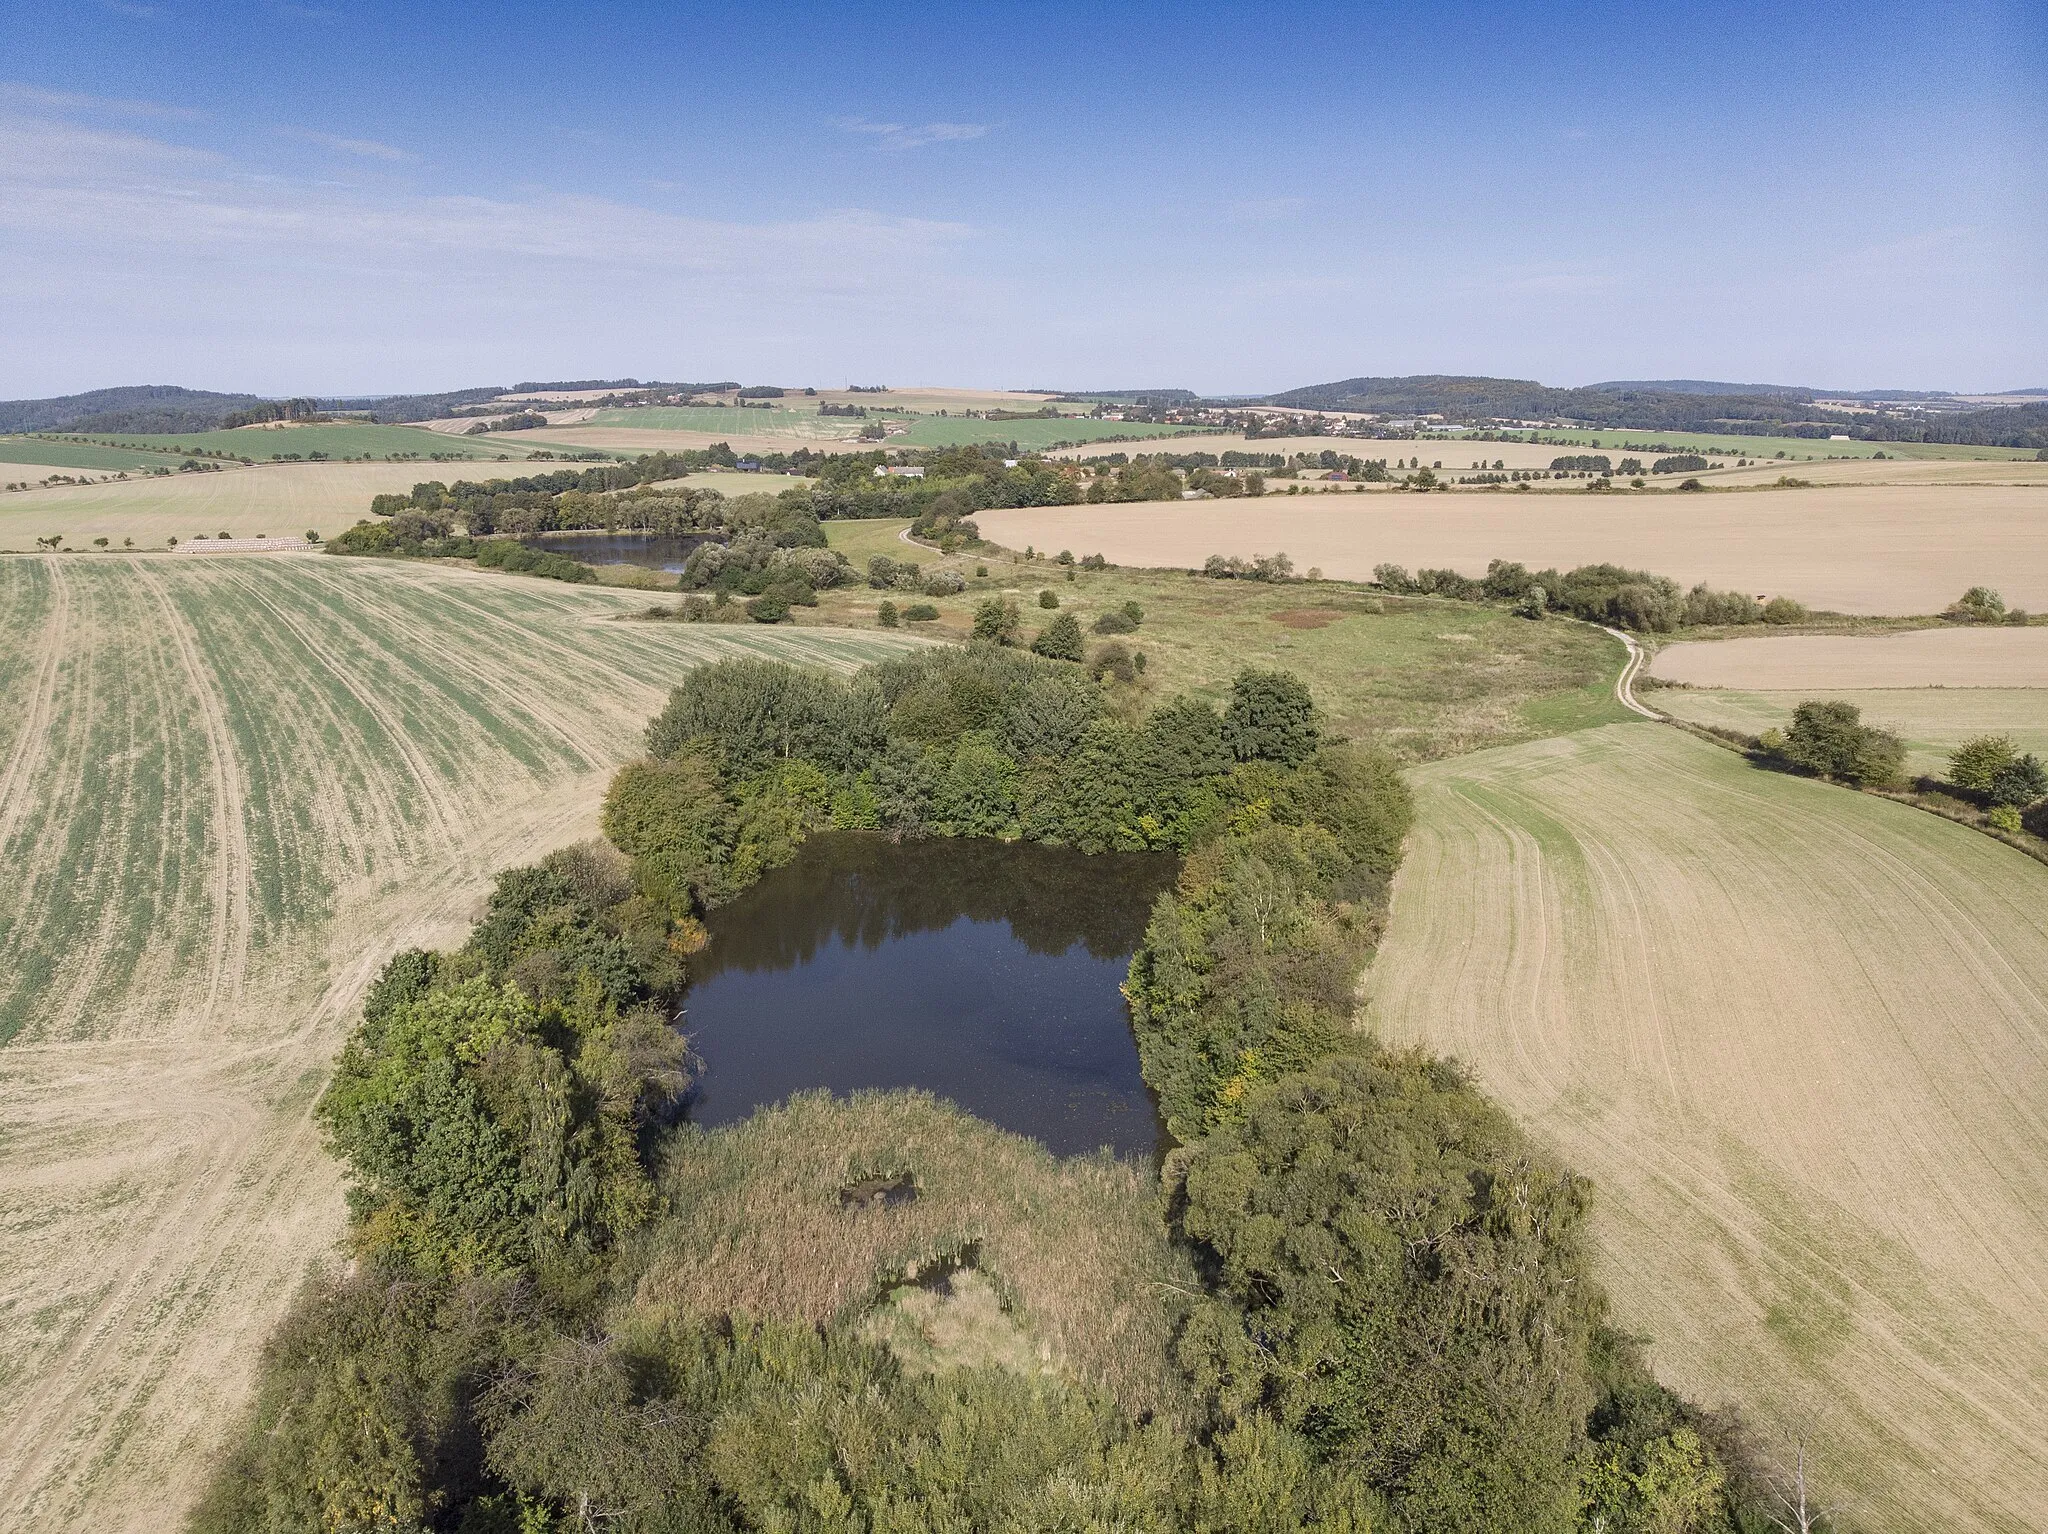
x=1932, y=657
x=264, y=443
x=1869, y=549
x=284, y=500
x=1795, y=1037
x=1932, y=721
x=229, y=789
x=43, y=452
x=1030, y=435
x=1423, y=677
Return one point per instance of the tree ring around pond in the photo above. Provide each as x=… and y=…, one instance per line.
x=884, y=1192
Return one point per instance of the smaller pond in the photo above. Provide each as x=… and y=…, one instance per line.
x=651, y=551
x=987, y=974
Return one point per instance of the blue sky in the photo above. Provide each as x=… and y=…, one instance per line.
x=341, y=197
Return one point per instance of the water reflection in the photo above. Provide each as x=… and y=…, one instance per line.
x=987, y=974
x=651, y=551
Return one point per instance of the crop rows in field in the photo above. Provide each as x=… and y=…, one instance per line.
x=358, y=440
x=228, y=789
x=1795, y=1036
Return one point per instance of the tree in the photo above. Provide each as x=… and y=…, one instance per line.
x=886, y=615
x=1980, y=759
x=1060, y=639
x=1980, y=604
x=2020, y=782
x=996, y=621
x=1830, y=739
x=1271, y=718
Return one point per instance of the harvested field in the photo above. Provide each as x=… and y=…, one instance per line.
x=1894, y=471
x=283, y=500
x=229, y=789
x=355, y=439
x=1867, y=549
x=632, y=441
x=1937, y=657
x=1932, y=721
x=1798, y=1038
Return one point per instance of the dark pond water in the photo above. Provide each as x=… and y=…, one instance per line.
x=984, y=973
x=652, y=551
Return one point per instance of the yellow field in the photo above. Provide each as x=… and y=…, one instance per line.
x=634, y=440
x=283, y=500
x=1932, y=721
x=1934, y=657
x=230, y=788
x=1867, y=549
x=1893, y=471
x=1798, y=1038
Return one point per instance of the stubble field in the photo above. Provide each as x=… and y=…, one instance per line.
x=1795, y=1037
x=1866, y=549
x=229, y=789
x=1991, y=656
x=1932, y=721
x=283, y=500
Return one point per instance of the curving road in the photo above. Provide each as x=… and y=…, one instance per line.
x=1625, y=684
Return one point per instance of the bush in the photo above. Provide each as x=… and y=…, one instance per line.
x=1115, y=621
x=1979, y=760
x=768, y=607
x=1831, y=740
x=886, y=614
x=1059, y=639
x=1113, y=661
x=1783, y=610
x=2006, y=818
x=1980, y=604
x=1047, y=599
x=1692, y=484
x=920, y=612
x=944, y=583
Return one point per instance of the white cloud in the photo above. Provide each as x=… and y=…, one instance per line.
x=368, y=149
x=896, y=136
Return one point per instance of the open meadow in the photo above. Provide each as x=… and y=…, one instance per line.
x=1793, y=1034
x=283, y=500
x=1867, y=549
x=1421, y=676
x=230, y=788
x=1961, y=656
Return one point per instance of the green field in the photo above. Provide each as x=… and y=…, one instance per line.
x=229, y=788
x=1932, y=721
x=1793, y=1035
x=351, y=441
x=731, y=421
x=1422, y=677
x=76, y=455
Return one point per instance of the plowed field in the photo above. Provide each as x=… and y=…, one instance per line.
x=229, y=789
x=1798, y=1038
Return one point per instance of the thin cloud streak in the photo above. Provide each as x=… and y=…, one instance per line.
x=900, y=136
x=37, y=98
x=364, y=148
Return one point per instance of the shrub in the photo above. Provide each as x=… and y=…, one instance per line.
x=1783, y=610
x=1979, y=760
x=1980, y=604
x=1047, y=599
x=1115, y=621
x=768, y=607
x=1692, y=484
x=2006, y=818
x=1113, y=660
x=920, y=612
x=1059, y=639
x=1830, y=739
x=886, y=614
x=944, y=583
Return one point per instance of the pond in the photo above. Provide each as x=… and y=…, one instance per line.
x=651, y=551
x=985, y=973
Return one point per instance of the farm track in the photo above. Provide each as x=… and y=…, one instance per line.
x=231, y=789
x=1799, y=1040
